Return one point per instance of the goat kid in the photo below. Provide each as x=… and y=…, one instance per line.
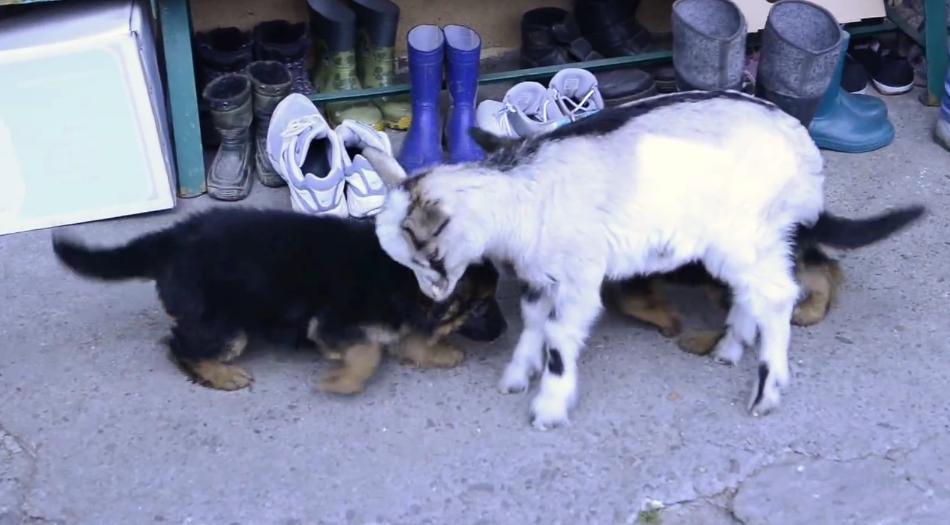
x=716, y=177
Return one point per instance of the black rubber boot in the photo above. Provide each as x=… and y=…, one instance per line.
x=287, y=43
x=612, y=28
x=218, y=51
x=229, y=102
x=271, y=81
x=550, y=37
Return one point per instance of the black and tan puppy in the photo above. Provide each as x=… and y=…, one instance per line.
x=229, y=273
x=818, y=276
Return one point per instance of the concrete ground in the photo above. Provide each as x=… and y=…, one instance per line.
x=97, y=426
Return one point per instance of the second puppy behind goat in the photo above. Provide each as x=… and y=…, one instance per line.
x=818, y=276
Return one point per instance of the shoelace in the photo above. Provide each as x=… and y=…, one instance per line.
x=576, y=110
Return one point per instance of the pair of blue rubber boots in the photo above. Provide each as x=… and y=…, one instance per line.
x=432, y=49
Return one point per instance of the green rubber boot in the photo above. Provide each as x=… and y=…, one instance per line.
x=377, y=21
x=334, y=33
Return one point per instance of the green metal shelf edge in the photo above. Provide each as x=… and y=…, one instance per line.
x=549, y=71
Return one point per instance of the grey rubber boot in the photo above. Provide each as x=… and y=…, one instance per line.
x=708, y=44
x=800, y=47
x=271, y=82
x=229, y=101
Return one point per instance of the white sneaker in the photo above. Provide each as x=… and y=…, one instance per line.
x=365, y=190
x=575, y=92
x=307, y=154
x=528, y=109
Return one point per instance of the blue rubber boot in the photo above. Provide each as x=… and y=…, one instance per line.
x=423, y=146
x=839, y=127
x=942, y=129
x=464, y=47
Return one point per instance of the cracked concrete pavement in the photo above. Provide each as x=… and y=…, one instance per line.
x=97, y=426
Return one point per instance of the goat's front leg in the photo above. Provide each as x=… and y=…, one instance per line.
x=527, y=359
x=567, y=326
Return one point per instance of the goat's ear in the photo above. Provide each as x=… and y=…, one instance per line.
x=385, y=165
x=489, y=141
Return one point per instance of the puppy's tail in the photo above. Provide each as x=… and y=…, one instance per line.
x=142, y=257
x=839, y=232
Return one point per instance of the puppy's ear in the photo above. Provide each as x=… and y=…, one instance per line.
x=385, y=165
x=489, y=141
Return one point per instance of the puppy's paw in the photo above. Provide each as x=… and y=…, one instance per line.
x=439, y=356
x=548, y=412
x=220, y=376
x=699, y=343
x=767, y=394
x=515, y=380
x=338, y=382
x=809, y=313
x=447, y=357
x=672, y=327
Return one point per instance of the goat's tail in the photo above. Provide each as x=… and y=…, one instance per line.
x=839, y=232
x=142, y=257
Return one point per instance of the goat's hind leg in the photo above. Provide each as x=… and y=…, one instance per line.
x=768, y=293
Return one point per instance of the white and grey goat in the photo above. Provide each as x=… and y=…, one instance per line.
x=717, y=177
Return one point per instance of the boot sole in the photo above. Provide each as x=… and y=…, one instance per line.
x=401, y=124
x=378, y=126
x=885, y=89
x=620, y=101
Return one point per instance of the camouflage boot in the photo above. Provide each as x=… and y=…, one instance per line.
x=333, y=26
x=377, y=21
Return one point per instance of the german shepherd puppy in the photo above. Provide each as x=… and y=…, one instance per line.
x=818, y=275
x=228, y=273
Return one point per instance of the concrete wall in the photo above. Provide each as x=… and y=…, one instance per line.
x=498, y=21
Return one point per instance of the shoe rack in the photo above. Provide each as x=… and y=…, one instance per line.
x=175, y=23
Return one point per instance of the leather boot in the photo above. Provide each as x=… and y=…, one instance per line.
x=463, y=50
x=376, y=22
x=841, y=126
x=550, y=37
x=222, y=50
x=612, y=28
x=218, y=51
x=287, y=43
x=333, y=26
x=229, y=102
x=423, y=147
x=800, y=48
x=708, y=44
x=271, y=82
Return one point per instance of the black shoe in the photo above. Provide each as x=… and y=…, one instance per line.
x=287, y=43
x=550, y=37
x=621, y=86
x=854, y=79
x=890, y=73
x=611, y=27
x=218, y=52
